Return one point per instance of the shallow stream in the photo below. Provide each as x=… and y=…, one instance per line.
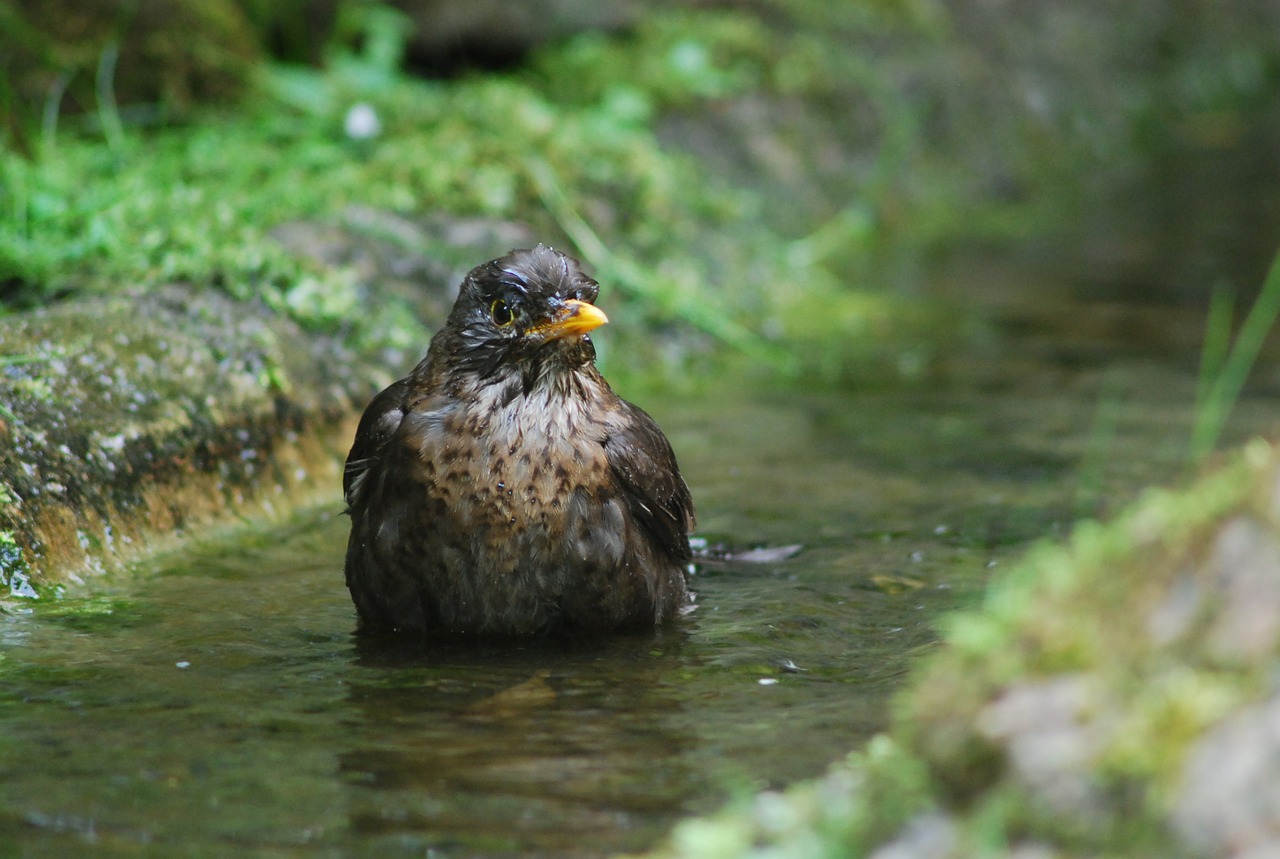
x=215, y=702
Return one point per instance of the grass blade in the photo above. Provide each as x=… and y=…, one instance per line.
x=1222, y=388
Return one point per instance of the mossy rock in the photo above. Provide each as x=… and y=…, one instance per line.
x=129, y=420
x=1113, y=696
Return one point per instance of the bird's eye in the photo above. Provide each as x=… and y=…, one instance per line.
x=501, y=313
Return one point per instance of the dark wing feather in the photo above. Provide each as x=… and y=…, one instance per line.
x=642, y=460
x=378, y=424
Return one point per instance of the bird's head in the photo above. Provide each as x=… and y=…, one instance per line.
x=526, y=313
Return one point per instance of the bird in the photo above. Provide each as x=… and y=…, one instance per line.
x=502, y=488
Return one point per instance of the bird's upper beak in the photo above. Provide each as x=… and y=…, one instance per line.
x=574, y=317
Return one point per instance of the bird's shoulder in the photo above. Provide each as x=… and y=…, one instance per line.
x=641, y=458
x=399, y=410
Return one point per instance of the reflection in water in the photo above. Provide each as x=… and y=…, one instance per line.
x=551, y=747
x=223, y=701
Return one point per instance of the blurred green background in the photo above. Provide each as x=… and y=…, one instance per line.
x=791, y=179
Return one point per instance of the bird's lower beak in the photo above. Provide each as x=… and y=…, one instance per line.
x=575, y=318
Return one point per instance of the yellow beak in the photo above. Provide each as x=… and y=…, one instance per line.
x=576, y=318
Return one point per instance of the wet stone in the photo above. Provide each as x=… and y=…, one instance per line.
x=1245, y=566
x=924, y=837
x=128, y=419
x=1229, y=801
x=1052, y=732
x=1175, y=611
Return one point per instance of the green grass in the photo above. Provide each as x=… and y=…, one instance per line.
x=1225, y=365
x=568, y=145
x=128, y=208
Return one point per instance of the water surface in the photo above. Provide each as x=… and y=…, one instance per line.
x=217, y=703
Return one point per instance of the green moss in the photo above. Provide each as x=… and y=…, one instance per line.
x=97, y=62
x=568, y=146
x=97, y=614
x=198, y=203
x=860, y=801
x=673, y=60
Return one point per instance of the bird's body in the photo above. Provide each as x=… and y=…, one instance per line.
x=503, y=487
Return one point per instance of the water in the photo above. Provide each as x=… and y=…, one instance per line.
x=217, y=703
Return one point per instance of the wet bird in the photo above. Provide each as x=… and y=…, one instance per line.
x=502, y=487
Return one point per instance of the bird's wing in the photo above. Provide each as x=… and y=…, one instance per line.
x=642, y=460
x=378, y=425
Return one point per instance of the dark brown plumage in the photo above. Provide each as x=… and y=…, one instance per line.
x=503, y=487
